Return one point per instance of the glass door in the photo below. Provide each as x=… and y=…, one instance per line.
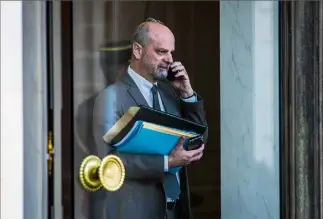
x=95, y=53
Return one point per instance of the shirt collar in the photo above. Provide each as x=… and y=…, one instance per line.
x=140, y=81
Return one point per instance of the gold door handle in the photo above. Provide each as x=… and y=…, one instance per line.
x=50, y=151
x=95, y=173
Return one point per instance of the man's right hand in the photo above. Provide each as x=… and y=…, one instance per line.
x=179, y=156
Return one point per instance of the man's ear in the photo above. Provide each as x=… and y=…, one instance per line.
x=137, y=50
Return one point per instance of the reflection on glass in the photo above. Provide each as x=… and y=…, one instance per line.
x=102, y=48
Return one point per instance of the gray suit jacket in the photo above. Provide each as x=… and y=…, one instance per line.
x=142, y=195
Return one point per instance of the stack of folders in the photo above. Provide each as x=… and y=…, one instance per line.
x=143, y=130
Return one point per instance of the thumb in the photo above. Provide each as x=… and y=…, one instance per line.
x=180, y=142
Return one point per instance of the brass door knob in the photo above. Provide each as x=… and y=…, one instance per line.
x=95, y=173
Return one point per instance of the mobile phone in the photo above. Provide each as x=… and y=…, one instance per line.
x=195, y=142
x=171, y=74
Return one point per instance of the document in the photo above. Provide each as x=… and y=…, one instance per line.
x=143, y=130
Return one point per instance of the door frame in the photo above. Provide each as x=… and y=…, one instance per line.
x=60, y=52
x=301, y=109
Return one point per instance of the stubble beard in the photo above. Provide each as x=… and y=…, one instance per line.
x=153, y=70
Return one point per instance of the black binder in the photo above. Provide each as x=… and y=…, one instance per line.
x=151, y=115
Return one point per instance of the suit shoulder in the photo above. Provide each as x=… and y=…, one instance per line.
x=111, y=91
x=107, y=93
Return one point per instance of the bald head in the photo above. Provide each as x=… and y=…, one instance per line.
x=150, y=30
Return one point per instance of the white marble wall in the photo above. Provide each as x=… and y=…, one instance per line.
x=249, y=110
x=12, y=130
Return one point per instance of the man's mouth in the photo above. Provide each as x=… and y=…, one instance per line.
x=163, y=67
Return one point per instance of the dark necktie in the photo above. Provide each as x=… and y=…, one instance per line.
x=154, y=90
x=171, y=184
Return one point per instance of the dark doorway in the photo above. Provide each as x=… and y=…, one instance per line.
x=86, y=26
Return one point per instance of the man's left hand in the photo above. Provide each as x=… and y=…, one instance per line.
x=182, y=82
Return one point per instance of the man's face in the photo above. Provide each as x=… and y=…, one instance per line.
x=157, y=55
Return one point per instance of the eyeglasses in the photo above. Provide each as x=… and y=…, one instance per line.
x=153, y=20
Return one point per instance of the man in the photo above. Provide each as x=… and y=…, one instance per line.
x=149, y=191
x=114, y=60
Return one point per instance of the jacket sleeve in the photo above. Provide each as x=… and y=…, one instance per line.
x=195, y=112
x=105, y=114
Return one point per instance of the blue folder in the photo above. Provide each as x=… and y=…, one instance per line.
x=149, y=138
x=143, y=130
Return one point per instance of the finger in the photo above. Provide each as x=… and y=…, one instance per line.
x=181, y=74
x=196, y=151
x=180, y=142
x=174, y=64
x=178, y=68
x=201, y=149
x=197, y=157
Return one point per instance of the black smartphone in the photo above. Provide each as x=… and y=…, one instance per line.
x=195, y=142
x=171, y=74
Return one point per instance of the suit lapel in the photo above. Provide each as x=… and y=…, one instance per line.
x=169, y=102
x=167, y=99
x=134, y=91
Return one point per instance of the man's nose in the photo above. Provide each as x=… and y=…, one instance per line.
x=169, y=59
